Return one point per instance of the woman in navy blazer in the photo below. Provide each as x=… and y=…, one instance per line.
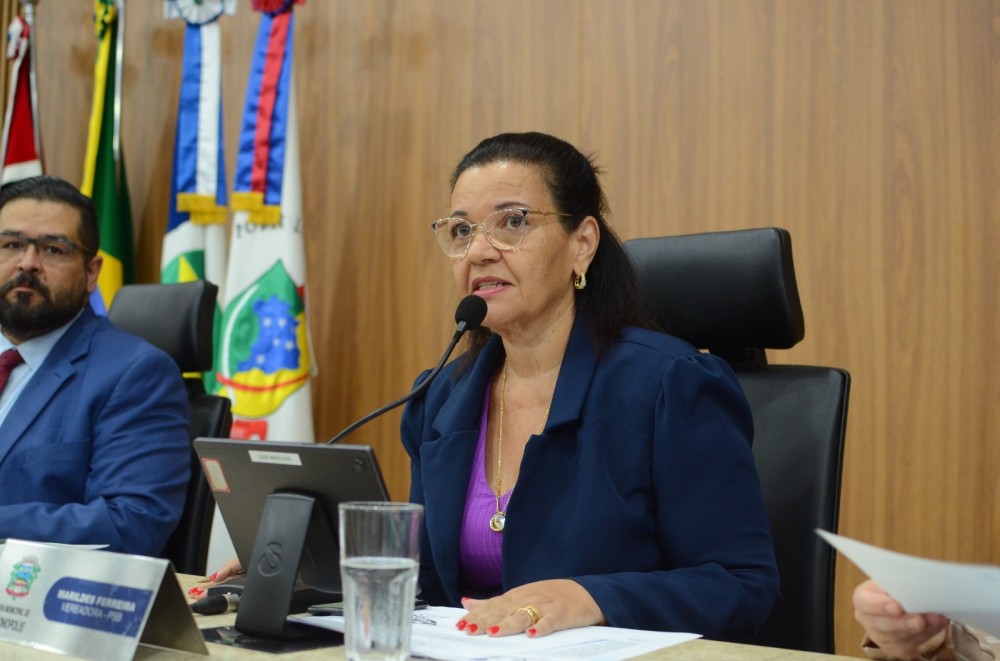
x=575, y=468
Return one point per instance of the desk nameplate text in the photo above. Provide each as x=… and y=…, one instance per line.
x=92, y=604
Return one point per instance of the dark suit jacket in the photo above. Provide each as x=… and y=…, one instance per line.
x=96, y=448
x=642, y=487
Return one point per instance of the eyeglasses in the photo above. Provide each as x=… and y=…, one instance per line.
x=504, y=229
x=52, y=250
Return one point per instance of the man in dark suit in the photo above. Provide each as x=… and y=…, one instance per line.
x=94, y=444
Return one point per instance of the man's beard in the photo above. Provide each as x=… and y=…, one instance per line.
x=20, y=319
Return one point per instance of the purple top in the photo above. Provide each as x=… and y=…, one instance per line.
x=480, y=548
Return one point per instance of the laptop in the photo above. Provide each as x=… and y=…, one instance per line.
x=242, y=474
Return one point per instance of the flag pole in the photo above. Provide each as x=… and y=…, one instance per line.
x=119, y=52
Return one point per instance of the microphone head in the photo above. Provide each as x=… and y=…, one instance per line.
x=470, y=312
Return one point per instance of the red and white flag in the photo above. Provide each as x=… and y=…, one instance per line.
x=21, y=147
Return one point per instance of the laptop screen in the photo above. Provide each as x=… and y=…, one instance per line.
x=242, y=474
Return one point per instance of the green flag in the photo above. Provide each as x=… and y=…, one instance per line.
x=104, y=168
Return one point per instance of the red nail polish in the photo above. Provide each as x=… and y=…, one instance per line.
x=494, y=630
x=460, y=624
x=196, y=592
x=214, y=576
x=532, y=631
x=473, y=628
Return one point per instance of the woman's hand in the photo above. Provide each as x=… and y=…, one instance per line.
x=897, y=633
x=536, y=608
x=228, y=570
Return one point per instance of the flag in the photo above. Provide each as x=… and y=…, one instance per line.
x=194, y=247
x=21, y=146
x=263, y=361
x=104, y=166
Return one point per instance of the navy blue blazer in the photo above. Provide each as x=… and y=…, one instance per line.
x=641, y=487
x=96, y=449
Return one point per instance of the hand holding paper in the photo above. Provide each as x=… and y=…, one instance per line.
x=897, y=633
x=964, y=592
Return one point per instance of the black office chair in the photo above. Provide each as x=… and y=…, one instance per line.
x=734, y=294
x=179, y=319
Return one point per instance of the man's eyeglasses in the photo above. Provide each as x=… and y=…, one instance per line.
x=52, y=250
x=504, y=229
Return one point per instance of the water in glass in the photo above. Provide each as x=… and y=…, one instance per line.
x=379, y=593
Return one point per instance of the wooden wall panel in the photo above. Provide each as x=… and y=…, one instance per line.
x=870, y=130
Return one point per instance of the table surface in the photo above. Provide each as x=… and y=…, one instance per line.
x=695, y=650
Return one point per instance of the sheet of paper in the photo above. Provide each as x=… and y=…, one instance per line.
x=92, y=547
x=434, y=636
x=965, y=592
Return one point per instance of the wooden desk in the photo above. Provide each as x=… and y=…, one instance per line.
x=695, y=650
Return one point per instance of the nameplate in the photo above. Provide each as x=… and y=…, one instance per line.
x=92, y=604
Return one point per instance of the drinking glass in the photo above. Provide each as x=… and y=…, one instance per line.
x=379, y=555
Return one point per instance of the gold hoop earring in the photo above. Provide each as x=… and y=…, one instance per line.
x=580, y=281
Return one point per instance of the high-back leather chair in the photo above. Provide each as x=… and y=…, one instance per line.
x=179, y=319
x=735, y=295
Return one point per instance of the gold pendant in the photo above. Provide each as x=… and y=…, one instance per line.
x=497, y=521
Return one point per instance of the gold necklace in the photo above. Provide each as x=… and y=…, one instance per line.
x=499, y=518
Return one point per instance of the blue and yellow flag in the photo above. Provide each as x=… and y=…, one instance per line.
x=194, y=247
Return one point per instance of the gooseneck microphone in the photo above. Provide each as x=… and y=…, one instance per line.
x=469, y=315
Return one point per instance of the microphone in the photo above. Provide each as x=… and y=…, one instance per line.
x=469, y=315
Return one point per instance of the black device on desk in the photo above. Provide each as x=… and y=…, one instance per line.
x=279, y=502
x=337, y=607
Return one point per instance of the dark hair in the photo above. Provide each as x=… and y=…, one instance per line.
x=46, y=188
x=610, y=300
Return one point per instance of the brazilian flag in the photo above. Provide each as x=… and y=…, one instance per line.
x=104, y=168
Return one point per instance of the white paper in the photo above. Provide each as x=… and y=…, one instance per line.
x=442, y=641
x=964, y=592
x=86, y=547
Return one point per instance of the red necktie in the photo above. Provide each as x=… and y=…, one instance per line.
x=9, y=359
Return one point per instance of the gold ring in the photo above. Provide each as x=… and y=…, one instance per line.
x=531, y=613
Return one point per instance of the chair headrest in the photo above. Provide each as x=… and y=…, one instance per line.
x=177, y=318
x=728, y=292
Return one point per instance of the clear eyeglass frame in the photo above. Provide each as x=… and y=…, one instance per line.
x=52, y=250
x=504, y=229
